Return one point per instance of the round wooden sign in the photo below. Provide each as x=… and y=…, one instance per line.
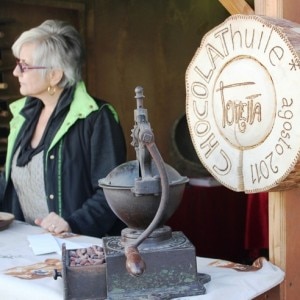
x=243, y=103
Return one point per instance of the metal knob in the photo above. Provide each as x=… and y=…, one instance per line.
x=56, y=274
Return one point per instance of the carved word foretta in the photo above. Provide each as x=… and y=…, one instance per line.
x=237, y=111
x=241, y=103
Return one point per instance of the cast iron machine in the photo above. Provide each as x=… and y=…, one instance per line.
x=148, y=260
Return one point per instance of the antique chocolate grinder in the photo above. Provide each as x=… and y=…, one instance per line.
x=148, y=261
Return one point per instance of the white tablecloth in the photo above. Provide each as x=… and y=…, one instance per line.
x=226, y=283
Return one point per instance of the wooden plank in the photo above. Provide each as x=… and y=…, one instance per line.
x=291, y=287
x=271, y=8
x=237, y=7
x=277, y=234
x=278, y=228
x=284, y=210
x=3, y=86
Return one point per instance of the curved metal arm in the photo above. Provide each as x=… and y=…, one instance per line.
x=134, y=263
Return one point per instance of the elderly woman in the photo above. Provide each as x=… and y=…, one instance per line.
x=62, y=141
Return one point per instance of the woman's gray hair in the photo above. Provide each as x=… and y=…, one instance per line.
x=58, y=45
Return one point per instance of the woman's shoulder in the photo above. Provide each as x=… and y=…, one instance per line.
x=106, y=107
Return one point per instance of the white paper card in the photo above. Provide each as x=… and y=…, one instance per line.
x=71, y=245
x=43, y=244
x=46, y=243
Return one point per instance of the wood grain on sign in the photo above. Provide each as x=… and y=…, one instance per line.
x=241, y=105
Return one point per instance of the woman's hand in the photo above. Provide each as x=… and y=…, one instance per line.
x=53, y=223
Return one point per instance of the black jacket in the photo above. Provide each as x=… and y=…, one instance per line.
x=87, y=144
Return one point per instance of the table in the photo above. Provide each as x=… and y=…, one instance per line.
x=226, y=283
x=15, y=251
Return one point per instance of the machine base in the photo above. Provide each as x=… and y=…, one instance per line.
x=171, y=271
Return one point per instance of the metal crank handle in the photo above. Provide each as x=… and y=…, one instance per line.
x=134, y=262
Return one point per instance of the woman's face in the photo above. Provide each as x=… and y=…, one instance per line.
x=31, y=81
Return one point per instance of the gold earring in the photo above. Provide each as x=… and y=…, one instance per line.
x=51, y=90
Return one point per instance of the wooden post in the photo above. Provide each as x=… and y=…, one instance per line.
x=284, y=209
x=284, y=222
x=270, y=8
x=237, y=7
